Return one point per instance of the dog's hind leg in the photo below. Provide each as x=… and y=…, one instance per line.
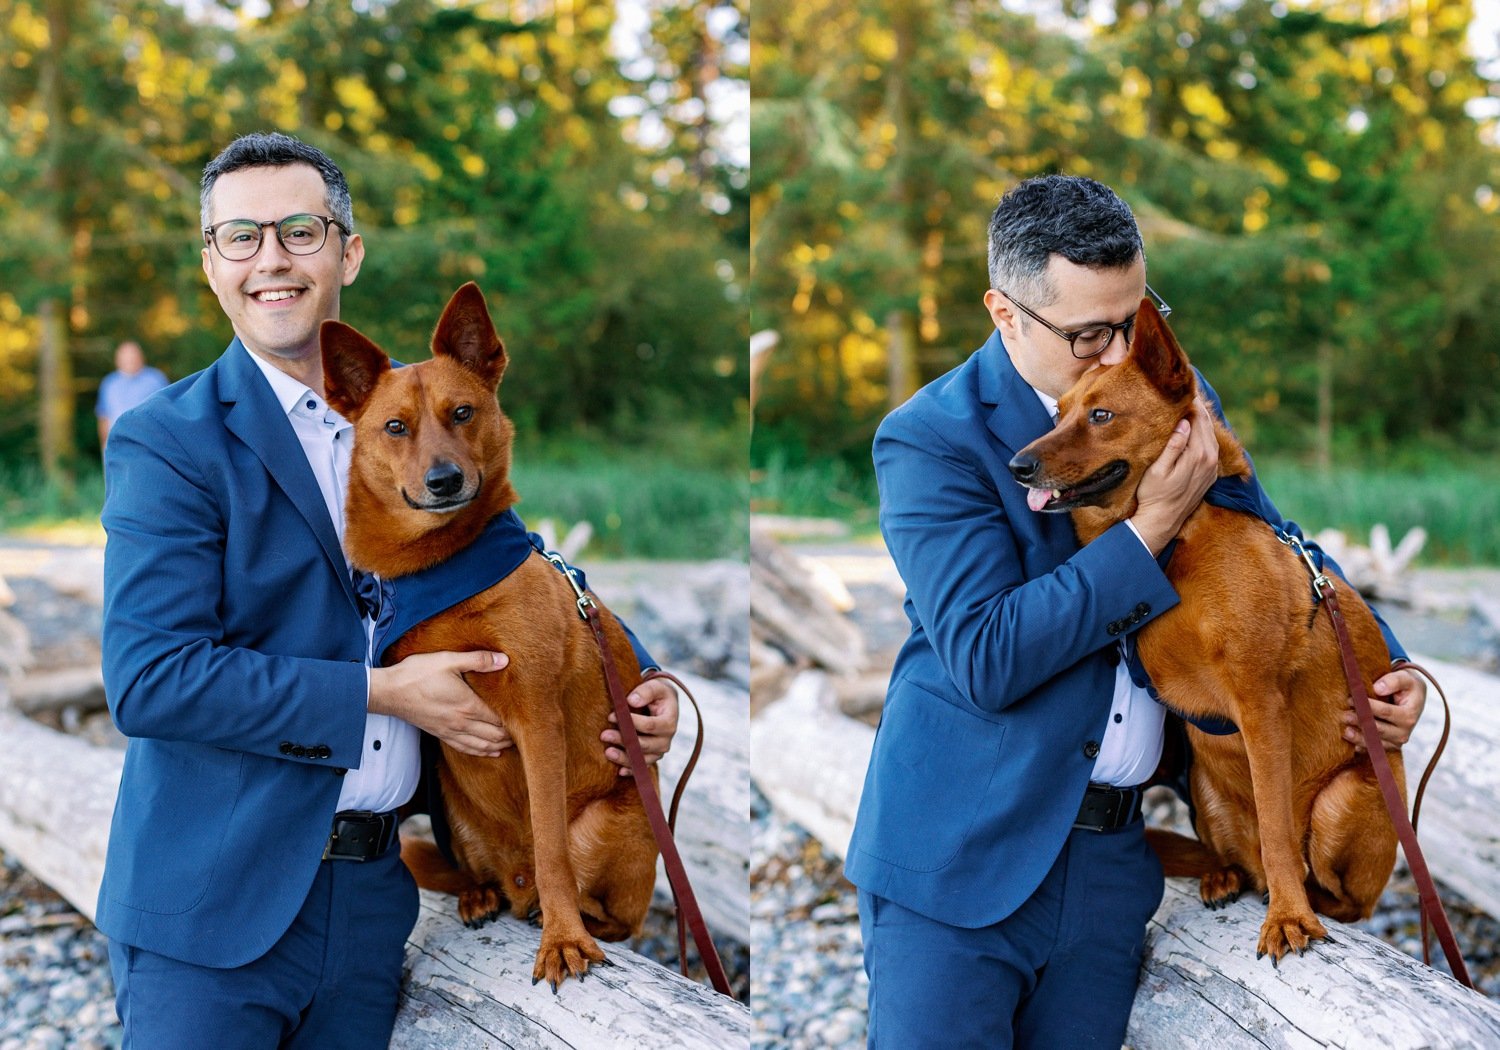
x=1227, y=827
x=478, y=902
x=1350, y=847
x=614, y=856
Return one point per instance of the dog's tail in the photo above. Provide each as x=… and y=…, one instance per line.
x=431, y=869
x=1180, y=856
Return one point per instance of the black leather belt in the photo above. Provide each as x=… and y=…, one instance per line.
x=1105, y=808
x=360, y=835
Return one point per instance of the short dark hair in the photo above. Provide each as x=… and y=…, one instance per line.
x=272, y=149
x=1082, y=220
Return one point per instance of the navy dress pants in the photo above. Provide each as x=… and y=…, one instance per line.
x=331, y=982
x=1059, y=972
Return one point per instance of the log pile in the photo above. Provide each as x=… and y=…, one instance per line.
x=1379, y=571
x=795, y=619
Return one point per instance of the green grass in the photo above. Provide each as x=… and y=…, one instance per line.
x=1457, y=502
x=642, y=504
x=826, y=489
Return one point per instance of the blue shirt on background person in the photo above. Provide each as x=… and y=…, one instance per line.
x=128, y=385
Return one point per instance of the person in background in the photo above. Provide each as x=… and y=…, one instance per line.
x=128, y=385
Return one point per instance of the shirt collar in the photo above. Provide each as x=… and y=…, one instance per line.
x=1048, y=402
x=289, y=392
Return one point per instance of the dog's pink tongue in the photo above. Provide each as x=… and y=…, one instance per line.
x=1036, y=499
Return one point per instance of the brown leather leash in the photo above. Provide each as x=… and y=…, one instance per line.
x=683, y=899
x=1431, y=905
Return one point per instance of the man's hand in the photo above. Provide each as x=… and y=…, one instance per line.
x=1396, y=716
x=428, y=690
x=1174, y=485
x=656, y=723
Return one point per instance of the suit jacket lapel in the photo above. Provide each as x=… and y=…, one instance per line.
x=1018, y=419
x=257, y=419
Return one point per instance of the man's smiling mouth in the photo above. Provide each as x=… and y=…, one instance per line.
x=276, y=295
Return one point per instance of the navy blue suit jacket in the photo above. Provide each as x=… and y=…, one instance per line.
x=231, y=629
x=1000, y=695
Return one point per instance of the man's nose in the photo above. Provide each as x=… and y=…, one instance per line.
x=272, y=256
x=1116, y=351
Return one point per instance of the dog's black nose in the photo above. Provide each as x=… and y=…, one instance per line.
x=444, y=479
x=1023, y=467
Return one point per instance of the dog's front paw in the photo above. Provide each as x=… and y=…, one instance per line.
x=1290, y=931
x=561, y=956
x=1221, y=888
x=478, y=906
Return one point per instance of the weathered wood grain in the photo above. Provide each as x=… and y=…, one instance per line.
x=1202, y=986
x=471, y=990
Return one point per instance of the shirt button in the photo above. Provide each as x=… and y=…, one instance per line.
x=1119, y=718
x=312, y=404
x=1091, y=749
x=376, y=745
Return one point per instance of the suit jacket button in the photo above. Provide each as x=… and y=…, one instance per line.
x=1143, y=609
x=299, y=751
x=322, y=751
x=286, y=747
x=1091, y=749
x=1114, y=627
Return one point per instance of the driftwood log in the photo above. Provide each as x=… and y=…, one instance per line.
x=1201, y=984
x=790, y=613
x=463, y=988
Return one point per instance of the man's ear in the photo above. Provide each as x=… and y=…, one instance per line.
x=1001, y=314
x=352, y=365
x=467, y=335
x=1157, y=353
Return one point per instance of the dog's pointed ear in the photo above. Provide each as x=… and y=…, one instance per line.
x=466, y=334
x=1159, y=356
x=352, y=365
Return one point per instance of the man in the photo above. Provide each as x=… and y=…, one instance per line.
x=998, y=908
x=253, y=894
x=128, y=385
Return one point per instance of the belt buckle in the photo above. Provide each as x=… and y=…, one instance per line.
x=382, y=825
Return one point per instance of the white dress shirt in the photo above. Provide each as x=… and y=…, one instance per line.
x=1133, y=738
x=387, y=774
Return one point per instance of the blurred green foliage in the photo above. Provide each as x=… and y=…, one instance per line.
x=1317, y=187
x=565, y=158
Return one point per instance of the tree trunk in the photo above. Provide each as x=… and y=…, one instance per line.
x=1323, y=450
x=901, y=357
x=55, y=395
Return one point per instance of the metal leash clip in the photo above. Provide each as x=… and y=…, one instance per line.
x=1320, y=579
x=584, y=602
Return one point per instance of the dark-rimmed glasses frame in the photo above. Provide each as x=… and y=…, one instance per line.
x=1125, y=328
x=308, y=247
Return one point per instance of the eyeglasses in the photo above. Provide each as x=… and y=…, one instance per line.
x=1095, y=339
x=239, y=239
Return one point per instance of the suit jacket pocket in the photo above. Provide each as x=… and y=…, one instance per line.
x=930, y=771
x=164, y=851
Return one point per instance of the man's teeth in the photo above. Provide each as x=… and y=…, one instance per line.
x=276, y=296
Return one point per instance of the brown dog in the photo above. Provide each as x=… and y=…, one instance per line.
x=1286, y=804
x=549, y=823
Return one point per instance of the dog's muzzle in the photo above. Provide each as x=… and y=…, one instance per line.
x=360, y=835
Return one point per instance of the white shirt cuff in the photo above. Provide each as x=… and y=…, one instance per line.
x=1138, y=536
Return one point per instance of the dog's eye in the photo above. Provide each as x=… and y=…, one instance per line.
x=463, y=413
x=1101, y=415
x=395, y=426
